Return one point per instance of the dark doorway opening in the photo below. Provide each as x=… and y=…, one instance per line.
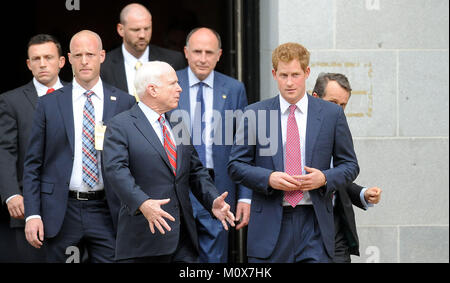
x=172, y=20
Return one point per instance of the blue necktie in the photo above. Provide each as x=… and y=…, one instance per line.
x=199, y=125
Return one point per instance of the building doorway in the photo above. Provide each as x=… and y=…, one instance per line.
x=172, y=21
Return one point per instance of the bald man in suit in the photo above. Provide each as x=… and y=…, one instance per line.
x=67, y=202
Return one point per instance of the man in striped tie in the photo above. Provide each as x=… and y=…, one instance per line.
x=68, y=207
x=152, y=166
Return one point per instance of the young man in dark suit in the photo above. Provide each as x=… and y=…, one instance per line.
x=283, y=151
x=121, y=63
x=336, y=88
x=45, y=60
x=67, y=201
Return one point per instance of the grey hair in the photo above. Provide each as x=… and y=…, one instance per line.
x=150, y=73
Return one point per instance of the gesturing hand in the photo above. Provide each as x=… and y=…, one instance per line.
x=155, y=215
x=221, y=211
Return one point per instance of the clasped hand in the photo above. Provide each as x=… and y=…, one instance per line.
x=285, y=182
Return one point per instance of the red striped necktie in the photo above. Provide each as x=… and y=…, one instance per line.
x=169, y=146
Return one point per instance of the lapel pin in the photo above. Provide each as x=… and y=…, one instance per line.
x=224, y=96
x=113, y=98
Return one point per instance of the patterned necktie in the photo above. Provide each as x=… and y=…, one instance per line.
x=199, y=125
x=90, y=163
x=50, y=90
x=169, y=146
x=293, y=156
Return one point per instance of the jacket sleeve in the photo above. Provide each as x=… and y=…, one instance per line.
x=34, y=160
x=9, y=150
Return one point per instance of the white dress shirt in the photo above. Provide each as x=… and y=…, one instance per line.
x=301, y=116
x=130, y=66
x=153, y=117
x=208, y=98
x=78, y=101
x=42, y=89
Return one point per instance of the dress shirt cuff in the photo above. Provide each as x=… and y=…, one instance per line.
x=33, y=217
x=363, y=200
x=11, y=197
x=246, y=200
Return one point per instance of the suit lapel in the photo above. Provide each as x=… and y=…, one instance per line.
x=278, y=158
x=109, y=103
x=119, y=73
x=220, y=94
x=185, y=102
x=65, y=106
x=31, y=94
x=146, y=129
x=314, y=123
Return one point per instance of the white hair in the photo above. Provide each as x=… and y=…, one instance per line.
x=150, y=73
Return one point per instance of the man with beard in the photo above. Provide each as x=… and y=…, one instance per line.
x=121, y=63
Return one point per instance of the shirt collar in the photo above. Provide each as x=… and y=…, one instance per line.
x=302, y=104
x=193, y=80
x=79, y=91
x=151, y=114
x=131, y=60
x=42, y=89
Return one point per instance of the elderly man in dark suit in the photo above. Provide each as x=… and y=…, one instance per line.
x=45, y=60
x=121, y=63
x=67, y=201
x=152, y=166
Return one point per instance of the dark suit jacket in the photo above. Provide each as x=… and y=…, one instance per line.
x=345, y=199
x=327, y=135
x=229, y=94
x=138, y=169
x=16, y=116
x=49, y=158
x=113, y=69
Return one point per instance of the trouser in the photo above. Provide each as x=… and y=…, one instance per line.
x=342, y=250
x=299, y=240
x=212, y=237
x=87, y=226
